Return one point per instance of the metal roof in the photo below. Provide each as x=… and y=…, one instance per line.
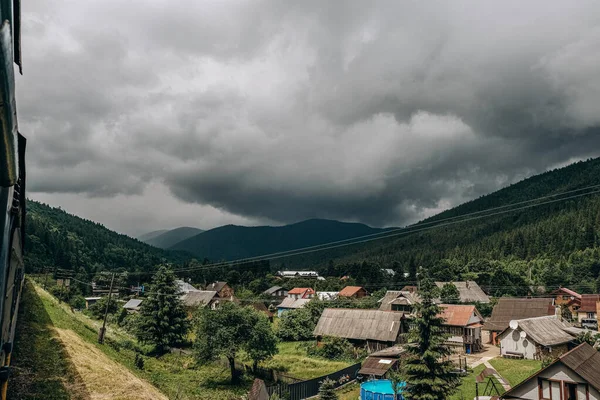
x=566, y=291
x=509, y=308
x=360, y=324
x=459, y=315
x=398, y=297
x=199, y=297
x=216, y=286
x=377, y=366
x=588, y=302
x=350, y=291
x=290, y=302
x=547, y=331
x=133, y=303
x=469, y=291
x=273, y=289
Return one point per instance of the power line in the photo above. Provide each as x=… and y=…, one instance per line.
x=404, y=231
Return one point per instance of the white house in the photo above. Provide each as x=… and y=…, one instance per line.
x=573, y=376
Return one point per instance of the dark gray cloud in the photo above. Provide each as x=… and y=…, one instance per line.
x=267, y=111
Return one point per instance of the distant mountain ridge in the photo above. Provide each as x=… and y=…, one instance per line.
x=171, y=237
x=151, y=235
x=233, y=242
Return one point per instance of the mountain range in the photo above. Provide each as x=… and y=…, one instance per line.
x=168, y=238
x=561, y=228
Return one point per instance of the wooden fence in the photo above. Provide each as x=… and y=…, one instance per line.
x=310, y=388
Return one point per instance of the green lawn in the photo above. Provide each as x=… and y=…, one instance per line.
x=515, y=371
x=293, y=360
x=173, y=375
x=349, y=392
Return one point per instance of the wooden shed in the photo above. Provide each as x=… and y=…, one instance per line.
x=372, y=328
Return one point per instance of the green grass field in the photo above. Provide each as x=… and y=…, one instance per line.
x=293, y=360
x=515, y=371
x=40, y=356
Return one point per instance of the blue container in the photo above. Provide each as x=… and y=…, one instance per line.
x=379, y=390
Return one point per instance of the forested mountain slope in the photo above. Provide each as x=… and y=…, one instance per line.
x=232, y=242
x=551, y=244
x=151, y=235
x=56, y=239
x=171, y=237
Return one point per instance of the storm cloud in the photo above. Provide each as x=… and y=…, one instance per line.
x=272, y=112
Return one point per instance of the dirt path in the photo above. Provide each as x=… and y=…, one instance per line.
x=104, y=378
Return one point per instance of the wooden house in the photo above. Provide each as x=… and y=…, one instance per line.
x=91, y=300
x=567, y=298
x=373, y=329
x=222, y=288
x=290, y=303
x=202, y=298
x=588, y=307
x=276, y=291
x=399, y=300
x=185, y=287
x=463, y=323
x=469, y=291
x=513, y=308
x=536, y=338
x=572, y=376
x=356, y=292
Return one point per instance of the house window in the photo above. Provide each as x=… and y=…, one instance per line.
x=561, y=390
x=591, y=315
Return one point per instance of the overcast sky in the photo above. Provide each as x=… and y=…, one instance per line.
x=155, y=114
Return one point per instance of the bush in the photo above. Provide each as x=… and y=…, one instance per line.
x=60, y=292
x=97, y=309
x=77, y=302
x=333, y=348
x=296, y=325
x=139, y=361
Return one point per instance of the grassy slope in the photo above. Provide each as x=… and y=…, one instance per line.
x=515, y=371
x=40, y=367
x=292, y=360
x=172, y=374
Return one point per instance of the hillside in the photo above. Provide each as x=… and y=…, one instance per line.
x=56, y=239
x=232, y=242
x=552, y=244
x=151, y=235
x=171, y=237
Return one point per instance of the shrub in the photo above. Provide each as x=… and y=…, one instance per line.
x=296, y=325
x=139, y=361
x=77, y=302
x=332, y=348
x=97, y=309
x=60, y=292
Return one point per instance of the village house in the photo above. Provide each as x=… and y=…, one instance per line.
x=378, y=364
x=463, y=323
x=469, y=291
x=588, y=307
x=201, y=298
x=567, y=298
x=301, y=293
x=298, y=274
x=260, y=306
x=573, y=376
x=353, y=291
x=536, y=338
x=133, y=305
x=185, y=287
x=222, y=288
x=89, y=301
x=373, y=329
x=327, y=296
x=513, y=308
x=290, y=303
x=399, y=300
x=276, y=291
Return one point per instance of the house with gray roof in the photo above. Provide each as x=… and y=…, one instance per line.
x=536, y=338
x=133, y=305
x=469, y=291
x=574, y=375
x=399, y=300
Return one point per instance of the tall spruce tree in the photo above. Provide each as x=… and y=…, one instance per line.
x=163, y=321
x=429, y=376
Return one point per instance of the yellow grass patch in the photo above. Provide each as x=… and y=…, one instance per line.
x=104, y=378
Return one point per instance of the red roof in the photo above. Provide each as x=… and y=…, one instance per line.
x=568, y=292
x=457, y=315
x=588, y=302
x=301, y=290
x=350, y=291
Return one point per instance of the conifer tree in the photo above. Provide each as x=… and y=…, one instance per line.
x=327, y=390
x=163, y=321
x=429, y=375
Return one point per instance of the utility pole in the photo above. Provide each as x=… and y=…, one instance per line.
x=46, y=279
x=103, y=329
